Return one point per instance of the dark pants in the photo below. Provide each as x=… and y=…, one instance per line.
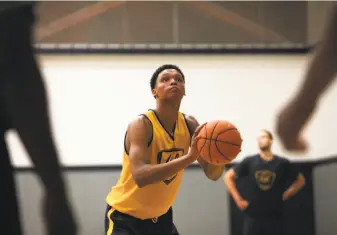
x=10, y=222
x=23, y=105
x=269, y=225
x=124, y=224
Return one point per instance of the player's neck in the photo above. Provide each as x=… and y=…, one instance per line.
x=168, y=114
x=267, y=155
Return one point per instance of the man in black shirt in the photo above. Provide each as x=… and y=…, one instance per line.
x=268, y=175
x=24, y=108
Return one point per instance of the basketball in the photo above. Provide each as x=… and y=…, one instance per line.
x=219, y=142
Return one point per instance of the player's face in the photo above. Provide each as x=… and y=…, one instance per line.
x=264, y=141
x=170, y=85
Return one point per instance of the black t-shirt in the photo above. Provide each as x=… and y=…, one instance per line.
x=10, y=5
x=266, y=183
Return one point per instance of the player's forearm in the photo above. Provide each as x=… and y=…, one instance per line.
x=211, y=171
x=214, y=172
x=150, y=174
x=231, y=186
x=295, y=187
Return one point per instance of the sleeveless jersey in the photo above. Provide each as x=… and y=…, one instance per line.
x=152, y=200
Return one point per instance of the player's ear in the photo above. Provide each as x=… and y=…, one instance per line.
x=154, y=93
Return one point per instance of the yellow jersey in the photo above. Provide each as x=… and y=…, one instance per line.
x=152, y=200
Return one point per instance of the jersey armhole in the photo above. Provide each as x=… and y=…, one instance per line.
x=150, y=141
x=188, y=127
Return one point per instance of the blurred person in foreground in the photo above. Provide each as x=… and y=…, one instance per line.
x=24, y=108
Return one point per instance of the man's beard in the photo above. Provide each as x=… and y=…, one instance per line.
x=265, y=148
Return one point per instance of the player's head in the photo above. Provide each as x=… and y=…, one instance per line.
x=265, y=140
x=168, y=82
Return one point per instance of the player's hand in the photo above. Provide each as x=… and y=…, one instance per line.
x=285, y=196
x=291, y=121
x=242, y=204
x=58, y=215
x=193, y=152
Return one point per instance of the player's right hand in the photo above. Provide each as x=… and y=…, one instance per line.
x=242, y=204
x=193, y=152
x=58, y=216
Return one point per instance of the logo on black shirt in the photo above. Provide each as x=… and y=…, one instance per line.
x=265, y=179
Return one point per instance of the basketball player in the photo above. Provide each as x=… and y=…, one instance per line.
x=24, y=108
x=319, y=77
x=158, y=146
x=267, y=175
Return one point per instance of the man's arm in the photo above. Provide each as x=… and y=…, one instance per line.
x=295, y=187
x=213, y=172
x=297, y=178
x=229, y=179
x=323, y=67
x=319, y=76
x=138, y=134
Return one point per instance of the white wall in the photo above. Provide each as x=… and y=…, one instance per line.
x=94, y=97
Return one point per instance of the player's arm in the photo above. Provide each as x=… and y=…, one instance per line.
x=323, y=67
x=139, y=134
x=229, y=178
x=211, y=171
x=297, y=184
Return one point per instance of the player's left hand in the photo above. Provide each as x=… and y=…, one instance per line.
x=193, y=152
x=291, y=121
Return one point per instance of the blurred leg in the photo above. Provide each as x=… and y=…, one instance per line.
x=23, y=91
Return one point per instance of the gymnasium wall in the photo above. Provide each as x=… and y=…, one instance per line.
x=94, y=97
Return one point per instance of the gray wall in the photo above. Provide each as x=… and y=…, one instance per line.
x=202, y=205
x=325, y=193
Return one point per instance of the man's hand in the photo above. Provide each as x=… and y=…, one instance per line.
x=242, y=204
x=285, y=196
x=291, y=121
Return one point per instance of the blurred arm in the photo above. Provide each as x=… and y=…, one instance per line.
x=229, y=179
x=323, y=67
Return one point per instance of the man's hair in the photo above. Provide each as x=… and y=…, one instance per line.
x=270, y=135
x=161, y=69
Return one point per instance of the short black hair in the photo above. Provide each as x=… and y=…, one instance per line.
x=270, y=135
x=161, y=69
